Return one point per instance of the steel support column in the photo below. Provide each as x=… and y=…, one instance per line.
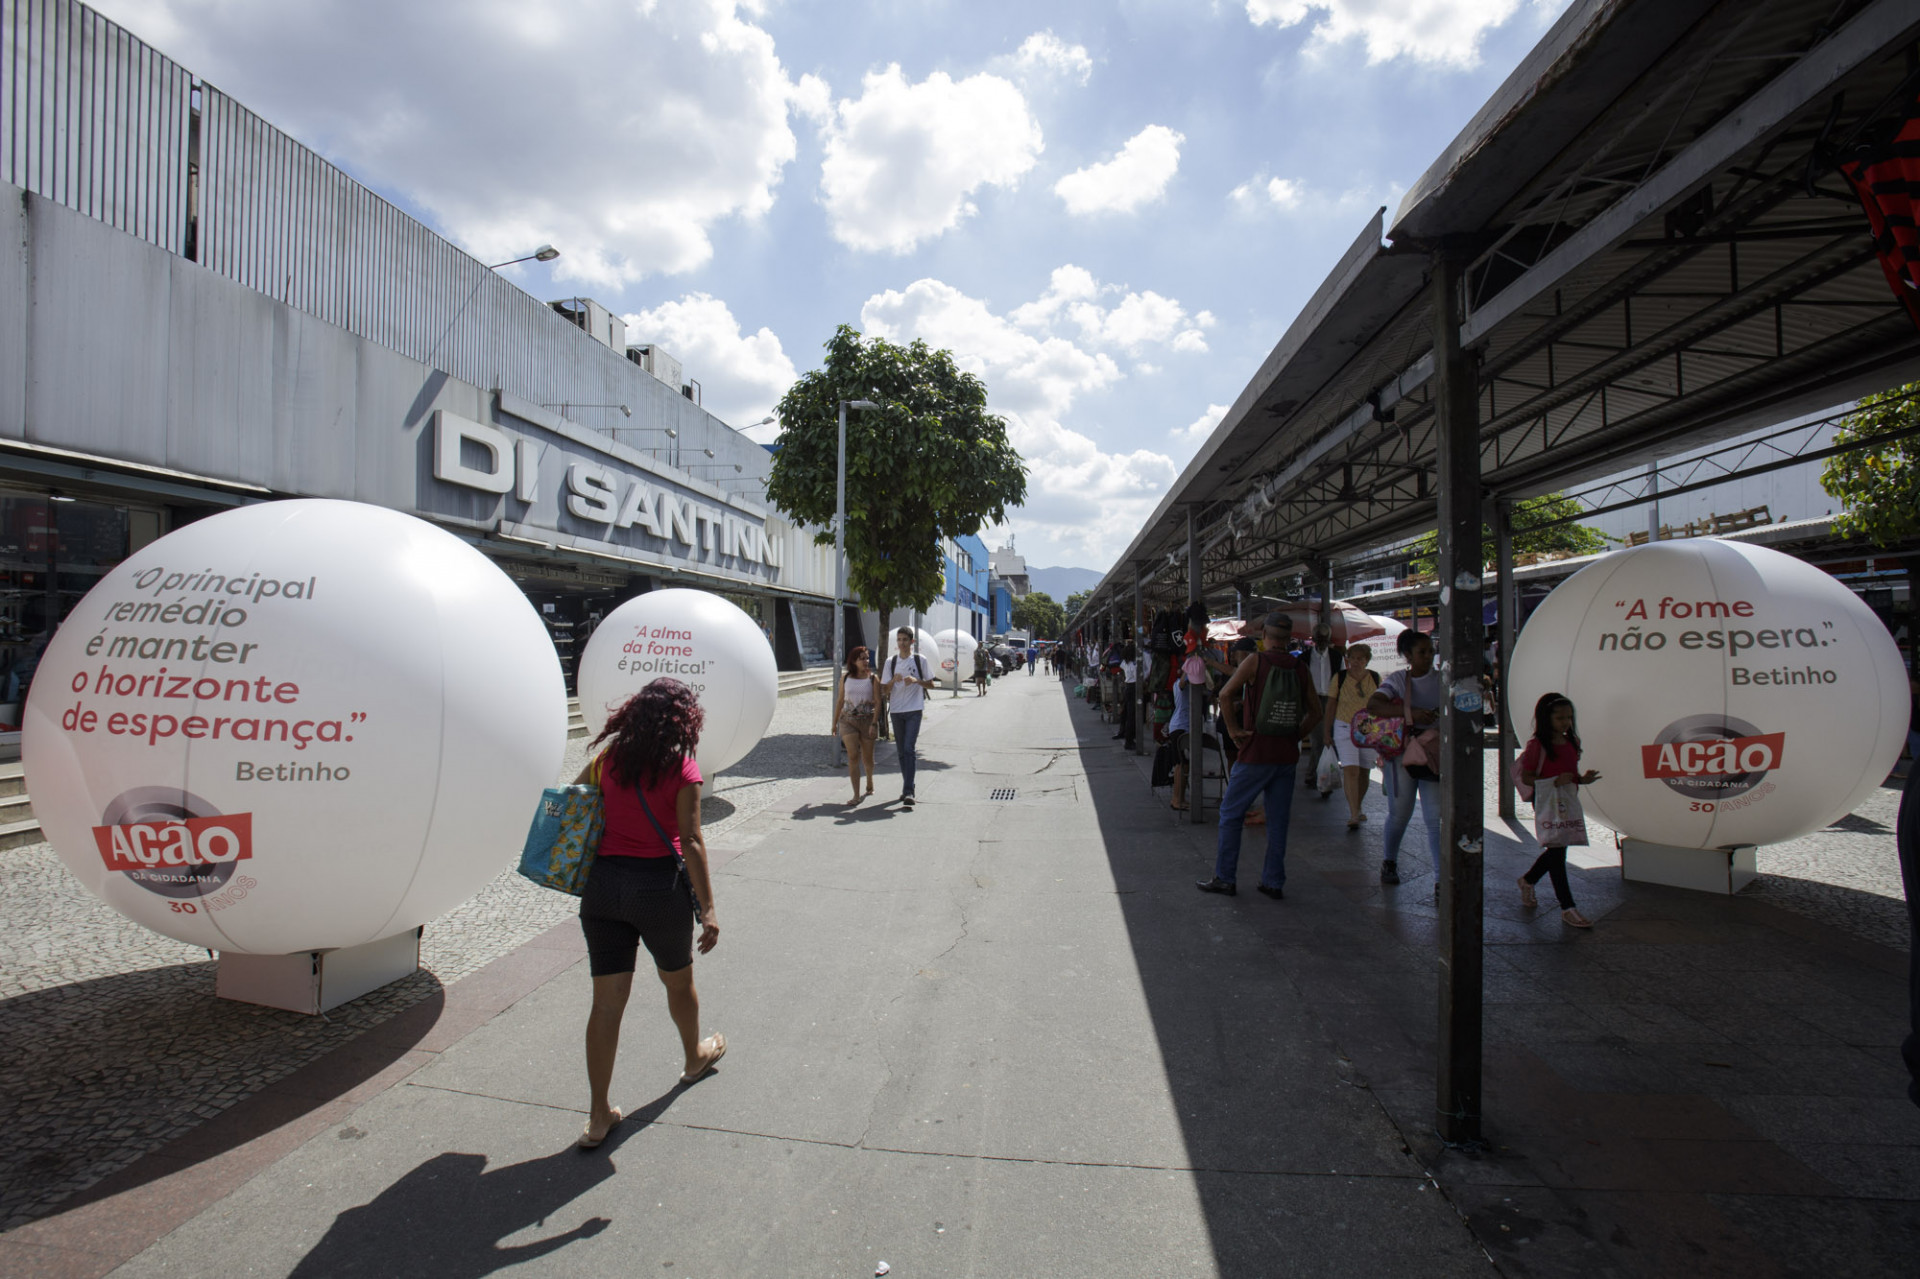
x=1141, y=720
x=1196, y=693
x=1458, y=644
x=1509, y=623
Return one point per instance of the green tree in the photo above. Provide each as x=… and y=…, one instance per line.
x=1878, y=486
x=1529, y=537
x=929, y=463
x=1075, y=601
x=1039, y=615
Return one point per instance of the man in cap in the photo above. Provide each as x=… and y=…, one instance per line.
x=1268, y=755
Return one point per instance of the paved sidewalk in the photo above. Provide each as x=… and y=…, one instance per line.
x=951, y=1052
x=1005, y=1036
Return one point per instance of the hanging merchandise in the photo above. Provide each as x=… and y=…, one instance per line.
x=1884, y=170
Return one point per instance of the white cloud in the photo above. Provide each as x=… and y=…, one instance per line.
x=1137, y=175
x=1201, y=427
x=1048, y=53
x=741, y=375
x=619, y=132
x=903, y=160
x=1038, y=361
x=1446, y=32
x=1136, y=322
x=1261, y=196
x=1258, y=193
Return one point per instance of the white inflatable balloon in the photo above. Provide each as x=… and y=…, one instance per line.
x=946, y=643
x=1727, y=694
x=294, y=726
x=699, y=639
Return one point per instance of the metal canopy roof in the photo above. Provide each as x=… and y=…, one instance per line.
x=1657, y=260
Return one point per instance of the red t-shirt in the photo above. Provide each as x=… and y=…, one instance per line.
x=629, y=833
x=1564, y=758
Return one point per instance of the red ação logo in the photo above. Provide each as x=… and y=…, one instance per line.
x=172, y=842
x=1712, y=755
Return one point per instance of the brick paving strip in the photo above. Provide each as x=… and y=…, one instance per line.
x=119, y=1216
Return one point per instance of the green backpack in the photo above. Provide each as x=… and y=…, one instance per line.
x=1282, y=710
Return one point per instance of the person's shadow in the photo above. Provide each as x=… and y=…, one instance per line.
x=447, y=1216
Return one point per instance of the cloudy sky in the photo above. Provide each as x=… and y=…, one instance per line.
x=1109, y=209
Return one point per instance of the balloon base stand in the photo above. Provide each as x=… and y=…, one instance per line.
x=1708, y=870
x=312, y=981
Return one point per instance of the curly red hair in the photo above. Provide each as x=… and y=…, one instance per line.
x=653, y=731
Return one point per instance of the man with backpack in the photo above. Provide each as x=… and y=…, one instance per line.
x=1280, y=711
x=906, y=679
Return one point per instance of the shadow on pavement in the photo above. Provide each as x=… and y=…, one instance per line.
x=448, y=1216
x=150, y=1060
x=1700, y=1084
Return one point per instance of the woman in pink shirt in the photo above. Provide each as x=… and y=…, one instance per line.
x=649, y=883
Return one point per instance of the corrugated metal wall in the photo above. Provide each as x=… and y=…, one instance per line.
x=93, y=119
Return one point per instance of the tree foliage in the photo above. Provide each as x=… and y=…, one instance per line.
x=1529, y=537
x=1878, y=487
x=1039, y=615
x=1075, y=602
x=929, y=463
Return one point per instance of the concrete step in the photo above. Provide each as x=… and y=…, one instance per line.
x=13, y=778
x=17, y=834
x=15, y=808
x=576, y=722
x=804, y=681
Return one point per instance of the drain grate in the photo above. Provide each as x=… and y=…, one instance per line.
x=1003, y=794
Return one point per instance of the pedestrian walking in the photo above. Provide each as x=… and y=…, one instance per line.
x=906, y=679
x=649, y=883
x=1280, y=712
x=1551, y=761
x=1033, y=658
x=1411, y=694
x=1129, y=695
x=1323, y=658
x=1177, y=736
x=856, y=717
x=980, y=659
x=1347, y=696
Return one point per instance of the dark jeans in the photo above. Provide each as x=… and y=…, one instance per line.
x=1553, y=862
x=906, y=731
x=1128, y=704
x=1245, y=784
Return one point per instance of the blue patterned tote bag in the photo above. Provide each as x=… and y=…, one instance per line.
x=564, y=836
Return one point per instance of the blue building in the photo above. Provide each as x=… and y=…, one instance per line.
x=966, y=581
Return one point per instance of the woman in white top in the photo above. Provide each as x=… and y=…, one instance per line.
x=856, y=717
x=1347, y=694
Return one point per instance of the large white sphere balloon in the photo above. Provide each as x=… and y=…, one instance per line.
x=699, y=639
x=1728, y=694
x=294, y=726
x=956, y=649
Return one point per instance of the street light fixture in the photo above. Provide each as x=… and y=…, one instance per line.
x=545, y=253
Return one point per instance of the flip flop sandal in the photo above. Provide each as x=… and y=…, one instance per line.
x=1574, y=919
x=589, y=1143
x=1527, y=896
x=719, y=1042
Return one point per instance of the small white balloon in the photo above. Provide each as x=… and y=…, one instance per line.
x=1727, y=694
x=699, y=639
x=294, y=726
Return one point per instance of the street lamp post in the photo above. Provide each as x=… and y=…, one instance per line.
x=838, y=656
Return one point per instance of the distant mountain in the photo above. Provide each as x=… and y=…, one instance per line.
x=1062, y=582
